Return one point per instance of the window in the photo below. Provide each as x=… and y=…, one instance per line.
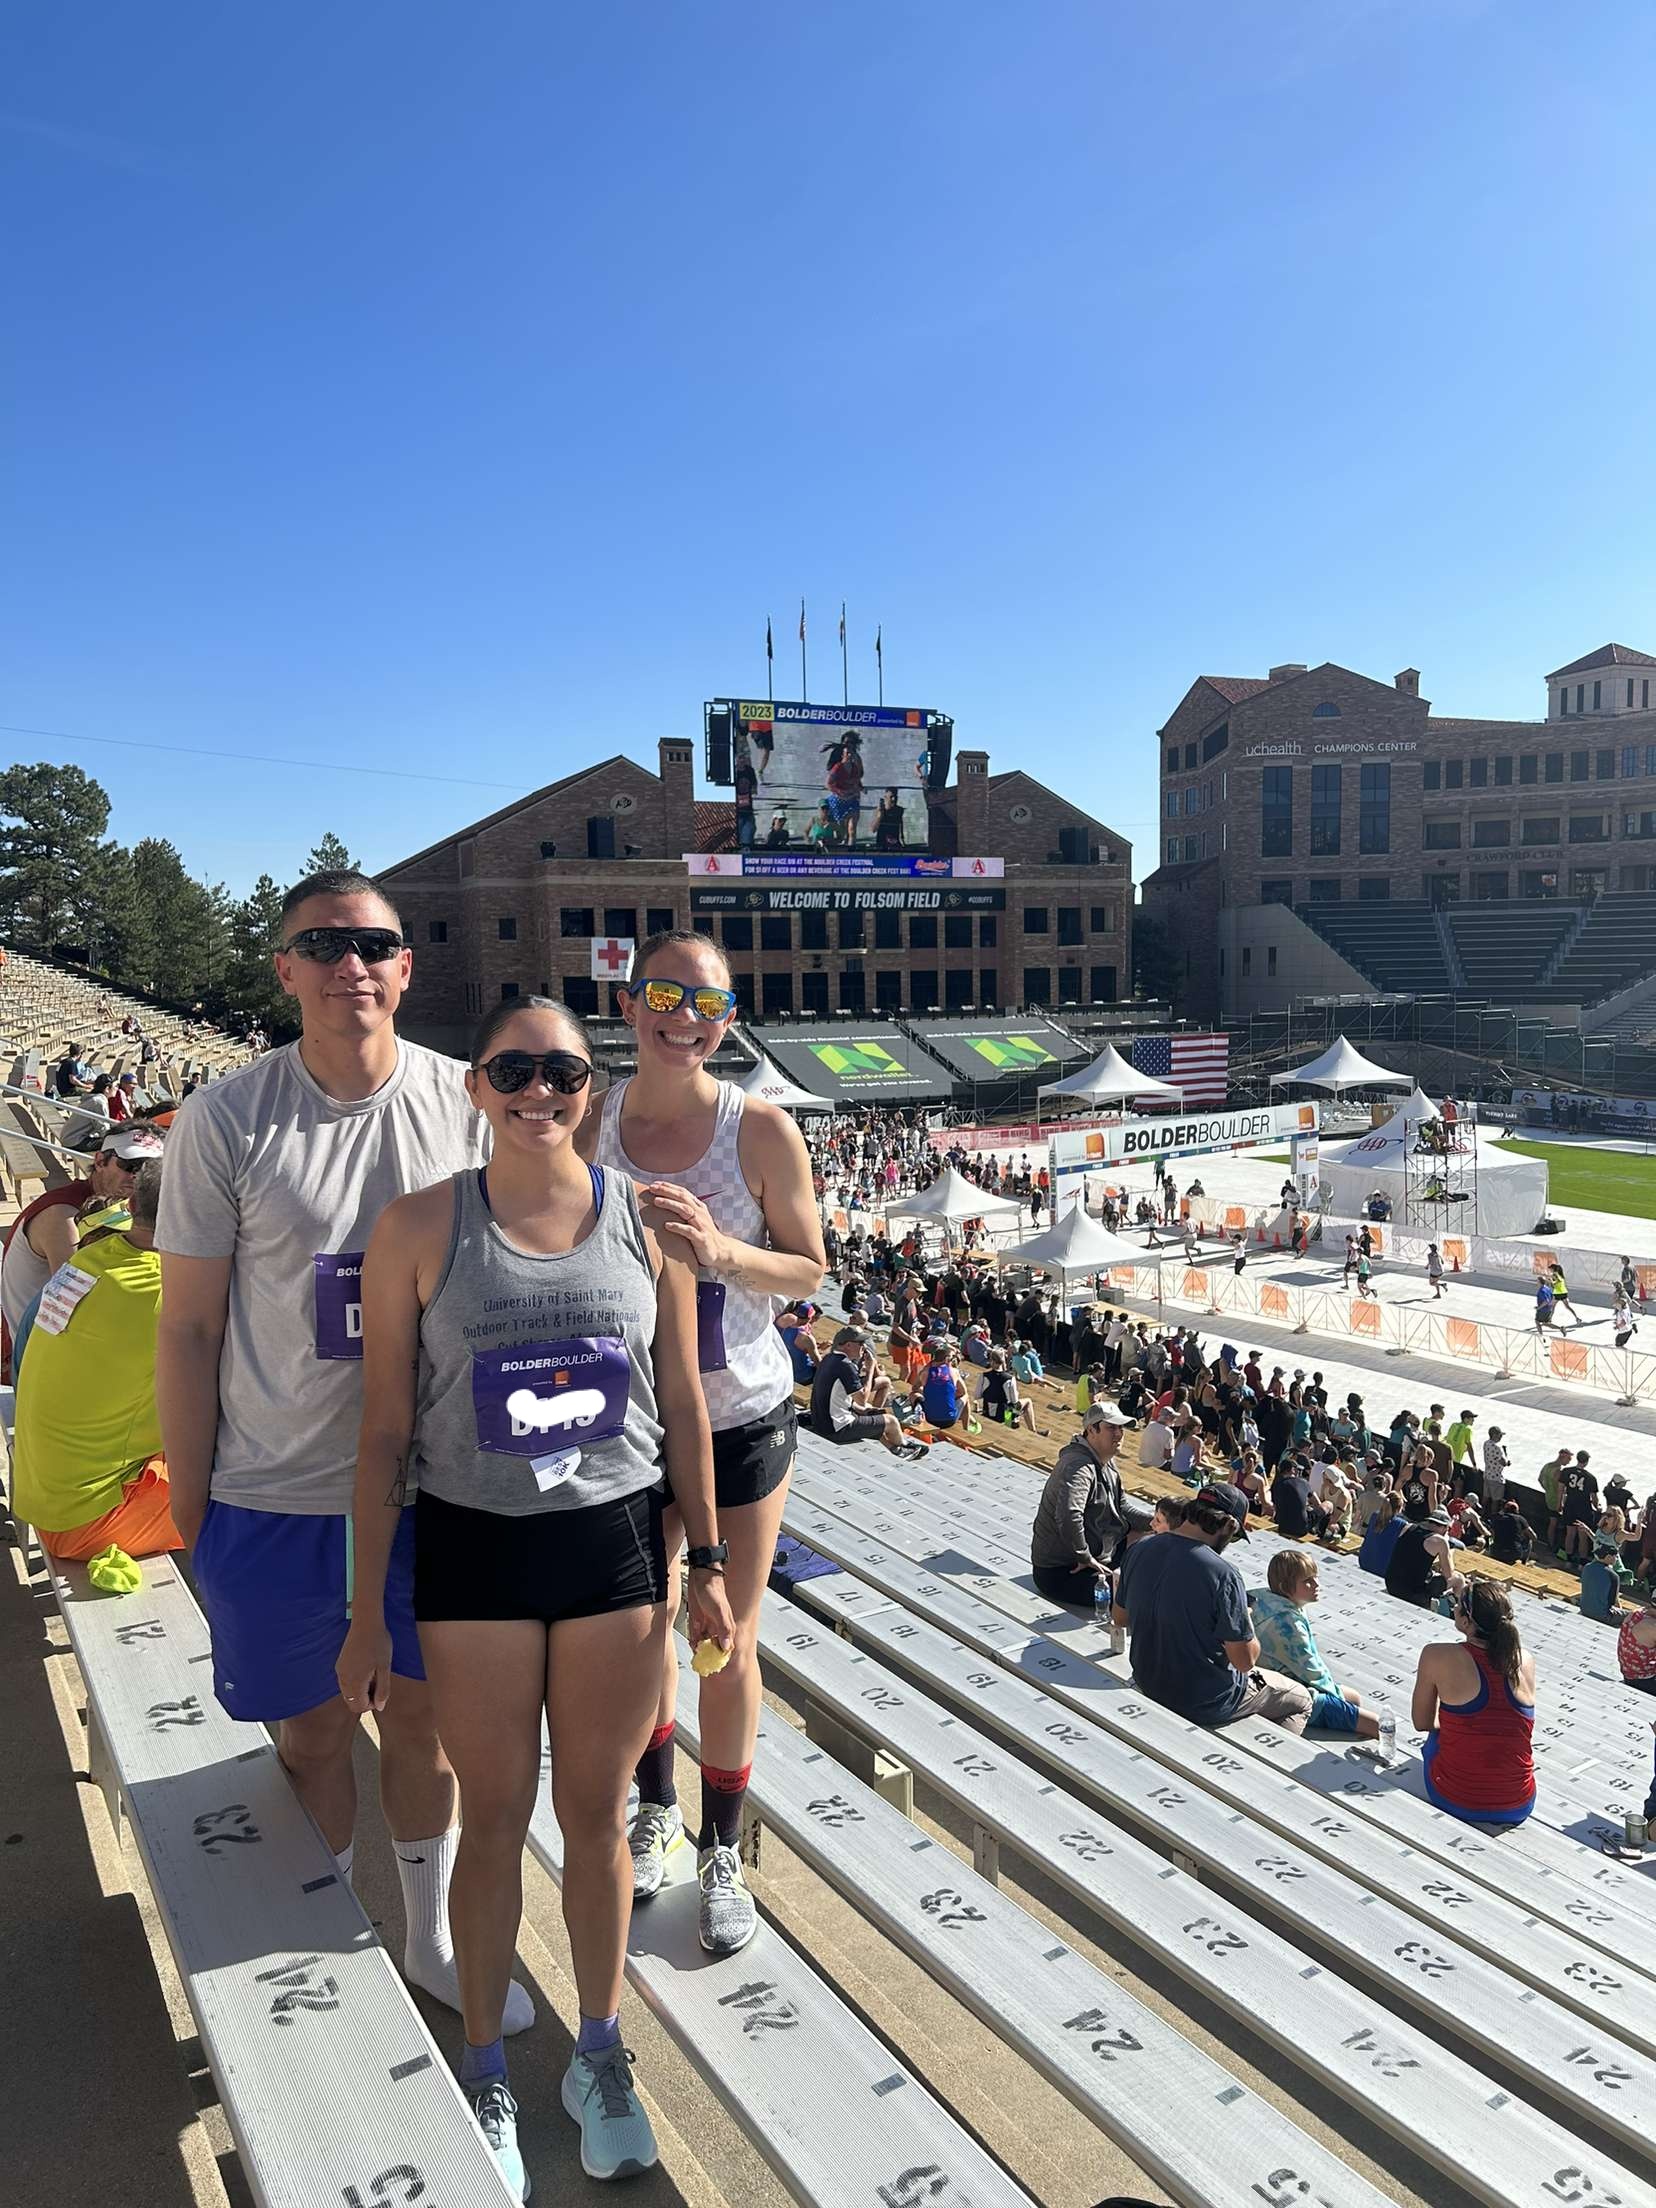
x=1374, y=889
x=957, y=931
x=1189, y=757
x=1630, y=689
x=1488, y=833
x=1635, y=878
x=776, y=931
x=1579, y=763
x=1604, y=765
x=1553, y=771
x=1036, y=919
x=1102, y=919
x=1192, y=798
x=1540, y=828
x=1069, y=924
x=1276, y=812
x=436, y=931
x=957, y=987
x=888, y=931
x=1589, y=827
x=1270, y=961
x=853, y=989
x=1581, y=697
x=1431, y=775
x=1503, y=771
x=621, y=920
x=576, y=920
x=1247, y=961
x=474, y=996
x=813, y=990
x=988, y=985
x=509, y=990
x=1172, y=850
x=1374, y=809
x=1489, y=888
x=923, y=931
x=1441, y=889
x=1037, y=985
x=658, y=919
x=580, y=993
x=1325, y=712
x=989, y=932
x=1101, y=984
x=1639, y=824
x=702, y=925
x=776, y=994
x=813, y=931
x=1644, y=695
x=1477, y=773
x=1451, y=774
x=850, y=931
x=1276, y=893
x=1173, y=759
x=1193, y=848
x=1597, y=689
x=506, y=928
x=1172, y=804
x=1326, y=891
x=1442, y=835
x=888, y=991
x=1219, y=738
x=1527, y=767
x=1538, y=882
x=738, y=933
x=1630, y=760
x=1563, y=704
x=1325, y=812
x=1069, y=985
x=601, y=837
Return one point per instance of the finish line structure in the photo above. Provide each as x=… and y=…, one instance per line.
x=1182, y=1135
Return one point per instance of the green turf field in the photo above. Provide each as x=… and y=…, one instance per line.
x=1602, y=1180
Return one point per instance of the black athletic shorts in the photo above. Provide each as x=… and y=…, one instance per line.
x=751, y=1461
x=548, y=1565
x=861, y=1426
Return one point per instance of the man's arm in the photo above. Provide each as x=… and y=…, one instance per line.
x=1242, y=1655
x=53, y=1237
x=195, y=1302
x=1072, y=1517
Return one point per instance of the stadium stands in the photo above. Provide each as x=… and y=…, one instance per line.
x=1504, y=947
x=1615, y=948
x=43, y=1007
x=1394, y=945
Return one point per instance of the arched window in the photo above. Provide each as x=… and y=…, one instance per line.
x=1325, y=712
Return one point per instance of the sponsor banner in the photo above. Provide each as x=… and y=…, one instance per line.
x=1020, y=1137
x=994, y=1050
x=1177, y=1132
x=870, y=1064
x=725, y=863
x=1535, y=1108
x=1356, y=748
x=862, y=896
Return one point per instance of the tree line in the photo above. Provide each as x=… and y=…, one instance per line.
x=136, y=915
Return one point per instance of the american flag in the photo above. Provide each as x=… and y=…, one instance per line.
x=1197, y=1064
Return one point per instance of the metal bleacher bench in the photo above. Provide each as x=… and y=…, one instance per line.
x=1449, y=2112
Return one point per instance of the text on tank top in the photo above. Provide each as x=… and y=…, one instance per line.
x=537, y=1386
x=745, y=1368
x=1485, y=1756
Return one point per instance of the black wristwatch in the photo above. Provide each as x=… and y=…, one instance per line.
x=708, y=1560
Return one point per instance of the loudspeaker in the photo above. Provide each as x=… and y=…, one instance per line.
x=941, y=749
x=718, y=745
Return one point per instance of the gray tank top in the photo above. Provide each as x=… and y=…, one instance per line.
x=536, y=1387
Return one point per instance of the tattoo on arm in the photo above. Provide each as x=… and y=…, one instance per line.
x=398, y=1497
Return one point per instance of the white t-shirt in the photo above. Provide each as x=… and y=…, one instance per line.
x=266, y=1169
x=1155, y=1446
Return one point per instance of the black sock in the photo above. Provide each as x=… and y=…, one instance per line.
x=723, y=1793
x=655, y=1768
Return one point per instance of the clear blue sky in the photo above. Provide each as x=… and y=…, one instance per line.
x=456, y=389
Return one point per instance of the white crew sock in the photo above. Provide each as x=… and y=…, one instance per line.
x=428, y=1957
x=343, y=1861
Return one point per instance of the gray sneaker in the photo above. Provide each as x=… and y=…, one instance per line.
x=728, y=1915
x=616, y=2139
x=656, y=1831
x=496, y=2114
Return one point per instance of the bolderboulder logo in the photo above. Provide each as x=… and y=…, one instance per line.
x=1192, y=1134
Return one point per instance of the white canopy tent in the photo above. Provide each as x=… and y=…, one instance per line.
x=952, y=1198
x=1511, y=1191
x=1110, y=1079
x=1077, y=1245
x=1342, y=1067
x=765, y=1078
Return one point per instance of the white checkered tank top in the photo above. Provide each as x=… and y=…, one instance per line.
x=745, y=1369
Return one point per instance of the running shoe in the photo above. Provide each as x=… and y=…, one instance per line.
x=656, y=1831
x=616, y=2139
x=728, y=1915
x=913, y=1449
x=496, y=2113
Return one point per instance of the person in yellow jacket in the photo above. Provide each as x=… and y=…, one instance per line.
x=88, y=1467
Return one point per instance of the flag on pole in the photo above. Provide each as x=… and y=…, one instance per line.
x=770, y=650
x=842, y=623
x=1198, y=1064
x=878, y=654
x=802, y=620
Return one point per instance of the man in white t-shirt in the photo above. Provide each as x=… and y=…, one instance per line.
x=276, y=1176
x=1156, y=1443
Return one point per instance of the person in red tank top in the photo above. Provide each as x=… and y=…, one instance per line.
x=1475, y=1702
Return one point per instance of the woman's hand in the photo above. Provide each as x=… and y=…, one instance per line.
x=709, y=1609
x=364, y=1667
x=675, y=1211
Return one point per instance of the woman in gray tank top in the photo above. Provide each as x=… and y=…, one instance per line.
x=529, y=1366
x=726, y=1178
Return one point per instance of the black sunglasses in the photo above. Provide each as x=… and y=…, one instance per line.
x=511, y=1070
x=327, y=946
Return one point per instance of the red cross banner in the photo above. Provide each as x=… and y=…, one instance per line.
x=612, y=957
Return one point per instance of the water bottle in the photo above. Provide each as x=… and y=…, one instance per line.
x=1387, y=1743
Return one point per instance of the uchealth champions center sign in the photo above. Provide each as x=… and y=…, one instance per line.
x=1174, y=1133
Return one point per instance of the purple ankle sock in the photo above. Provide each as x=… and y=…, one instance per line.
x=597, y=2034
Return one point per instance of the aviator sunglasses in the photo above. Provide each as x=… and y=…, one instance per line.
x=706, y=1002
x=511, y=1070
x=327, y=946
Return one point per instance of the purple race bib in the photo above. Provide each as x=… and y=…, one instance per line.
x=710, y=1341
x=531, y=1398
x=338, y=1275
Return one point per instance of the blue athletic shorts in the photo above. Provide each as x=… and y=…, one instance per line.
x=274, y=1587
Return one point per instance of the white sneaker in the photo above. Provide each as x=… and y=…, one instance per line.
x=728, y=1915
x=656, y=1831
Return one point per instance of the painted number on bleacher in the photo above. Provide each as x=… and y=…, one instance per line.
x=951, y=1910
x=980, y=1678
x=186, y=1712
x=1389, y=2061
x=1226, y=1766
x=1462, y=1845
x=1587, y=1913
x=1165, y=1797
x=923, y=2182
x=404, y=2175
x=882, y=1698
x=1067, y=1736
x=1130, y=1709
x=1439, y=1889
x=298, y=1989
x=1426, y=1960
x=1221, y=1942
x=802, y=1640
x=904, y=1632
x=1282, y=2188
x=1050, y=1663
x=834, y=1811
x=1594, y=1979
x=1575, y=2185
x=1087, y=1845
x=761, y=2007
x=975, y=1767
x=227, y=1827
x=1107, y=2043
x=146, y=1629
x=1609, y=2074
x=1278, y=1867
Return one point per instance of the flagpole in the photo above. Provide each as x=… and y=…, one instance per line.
x=770, y=665
x=879, y=660
x=804, y=683
x=845, y=669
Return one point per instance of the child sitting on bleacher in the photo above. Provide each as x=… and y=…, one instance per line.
x=1288, y=1644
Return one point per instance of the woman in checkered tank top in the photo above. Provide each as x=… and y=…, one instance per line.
x=730, y=1175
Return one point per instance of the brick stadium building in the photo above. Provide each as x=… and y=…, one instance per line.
x=1325, y=834
x=511, y=905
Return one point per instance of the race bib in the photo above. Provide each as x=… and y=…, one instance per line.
x=536, y=1399
x=710, y=1341
x=60, y=1296
x=338, y=1279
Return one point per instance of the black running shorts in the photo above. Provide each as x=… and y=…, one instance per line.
x=548, y=1565
x=751, y=1461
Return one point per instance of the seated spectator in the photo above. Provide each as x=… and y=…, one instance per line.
x=1603, y=1577
x=1510, y=1539
x=1156, y=1443
x=943, y=1387
x=1419, y=1569
x=1475, y=1701
x=1376, y=1490
x=999, y=1397
x=89, y=1471
x=804, y=1351
x=975, y=1344
x=1186, y=1609
x=1026, y=1365
x=849, y=1399
x=1084, y=1518
x=43, y=1236
x=1089, y=1388
x=1291, y=1501
x=1187, y=1462
x=1249, y=1475
x=1385, y=1529
x=1466, y=1522
x=1636, y=1648
x=1282, y=1627
x=875, y=1305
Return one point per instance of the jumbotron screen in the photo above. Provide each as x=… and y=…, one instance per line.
x=831, y=777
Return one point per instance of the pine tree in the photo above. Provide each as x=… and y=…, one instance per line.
x=331, y=857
